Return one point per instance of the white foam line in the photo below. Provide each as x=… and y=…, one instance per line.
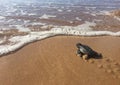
x=37, y=23
x=22, y=29
x=2, y=17
x=60, y=10
x=104, y=13
x=96, y=33
x=86, y=33
x=77, y=18
x=1, y=32
x=23, y=40
x=31, y=14
x=20, y=41
x=45, y=16
x=117, y=18
x=1, y=41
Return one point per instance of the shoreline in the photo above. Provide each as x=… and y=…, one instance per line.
x=17, y=42
x=55, y=35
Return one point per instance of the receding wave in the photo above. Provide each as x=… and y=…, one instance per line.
x=19, y=41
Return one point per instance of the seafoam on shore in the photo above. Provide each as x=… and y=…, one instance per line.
x=17, y=42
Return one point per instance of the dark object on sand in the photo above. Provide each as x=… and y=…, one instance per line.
x=86, y=52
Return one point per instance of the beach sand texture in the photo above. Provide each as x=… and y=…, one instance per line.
x=53, y=61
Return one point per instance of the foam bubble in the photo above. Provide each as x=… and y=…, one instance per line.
x=45, y=16
x=60, y=10
x=37, y=23
x=22, y=29
x=77, y=18
x=117, y=18
x=1, y=32
x=1, y=41
x=1, y=17
x=69, y=10
x=31, y=14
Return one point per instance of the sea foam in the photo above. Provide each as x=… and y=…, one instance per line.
x=81, y=30
x=1, y=17
x=45, y=16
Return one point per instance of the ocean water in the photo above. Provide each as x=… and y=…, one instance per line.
x=22, y=22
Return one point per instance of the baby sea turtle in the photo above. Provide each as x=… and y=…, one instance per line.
x=86, y=52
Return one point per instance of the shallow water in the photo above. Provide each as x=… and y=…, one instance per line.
x=23, y=22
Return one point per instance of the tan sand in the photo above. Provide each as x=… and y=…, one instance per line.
x=53, y=61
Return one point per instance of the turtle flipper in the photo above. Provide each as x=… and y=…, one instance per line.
x=79, y=53
x=85, y=57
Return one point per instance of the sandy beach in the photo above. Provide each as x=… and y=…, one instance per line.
x=38, y=42
x=53, y=61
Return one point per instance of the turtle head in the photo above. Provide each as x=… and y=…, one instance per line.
x=78, y=45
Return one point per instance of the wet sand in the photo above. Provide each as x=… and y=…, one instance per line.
x=53, y=61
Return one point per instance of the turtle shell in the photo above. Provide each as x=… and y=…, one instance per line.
x=85, y=49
